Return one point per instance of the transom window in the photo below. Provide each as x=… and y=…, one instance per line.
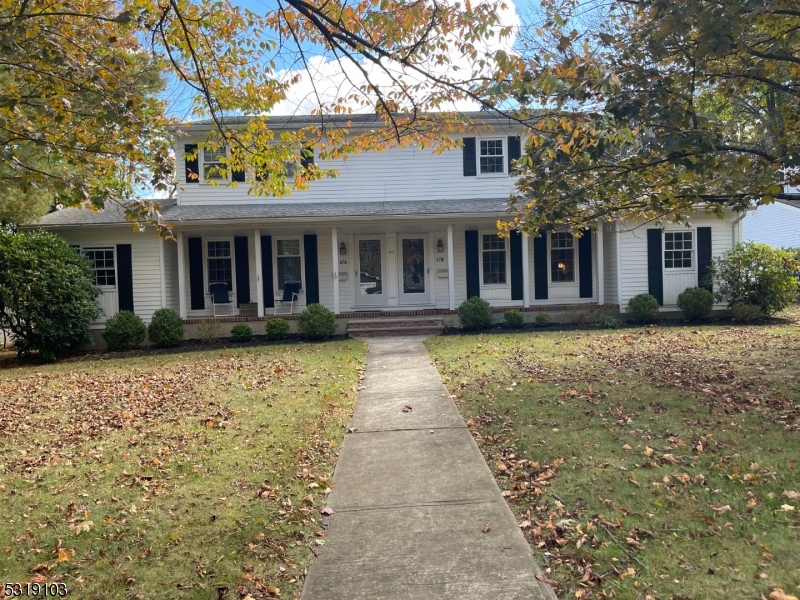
x=102, y=260
x=562, y=256
x=494, y=259
x=219, y=263
x=678, y=250
x=491, y=156
x=214, y=165
x=288, y=257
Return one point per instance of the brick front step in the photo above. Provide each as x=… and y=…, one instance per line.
x=394, y=326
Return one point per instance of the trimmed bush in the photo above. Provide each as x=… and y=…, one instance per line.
x=745, y=313
x=543, y=320
x=277, y=329
x=475, y=313
x=514, y=319
x=609, y=322
x=695, y=303
x=756, y=274
x=316, y=322
x=166, y=328
x=47, y=294
x=125, y=330
x=241, y=332
x=643, y=308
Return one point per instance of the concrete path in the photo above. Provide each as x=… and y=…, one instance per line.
x=412, y=497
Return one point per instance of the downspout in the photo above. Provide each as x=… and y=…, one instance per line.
x=735, y=229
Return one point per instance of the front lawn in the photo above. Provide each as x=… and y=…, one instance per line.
x=184, y=475
x=648, y=462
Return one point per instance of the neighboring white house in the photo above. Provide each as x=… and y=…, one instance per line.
x=403, y=231
x=776, y=224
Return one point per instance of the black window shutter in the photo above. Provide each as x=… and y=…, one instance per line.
x=704, y=258
x=540, y=266
x=473, y=263
x=514, y=150
x=470, y=165
x=124, y=277
x=238, y=176
x=655, y=277
x=307, y=157
x=585, y=264
x=242, y=269
x=266, y=271
x=516, y=265
x=197, y=284
x=312, y=269
x=192, y=174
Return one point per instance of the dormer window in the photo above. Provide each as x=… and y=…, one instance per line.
x=491, y=158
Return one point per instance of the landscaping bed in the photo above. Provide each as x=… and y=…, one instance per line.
x=647, y=462
x=172, y=474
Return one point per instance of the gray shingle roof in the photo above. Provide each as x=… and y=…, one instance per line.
x=282, y=210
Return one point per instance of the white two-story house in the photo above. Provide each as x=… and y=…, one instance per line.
x=403, y=232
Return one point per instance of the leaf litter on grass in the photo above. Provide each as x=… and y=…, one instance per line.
x=651, y=441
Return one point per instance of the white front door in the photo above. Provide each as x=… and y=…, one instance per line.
x=370, y=271
x=413, y=269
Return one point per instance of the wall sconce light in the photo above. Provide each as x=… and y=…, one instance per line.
x=342, y=249
x=439, y=246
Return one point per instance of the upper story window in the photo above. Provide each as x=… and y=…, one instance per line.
x=219, y=263
x=494, y=259
x=678, y=250
x=214, y=168
x=562, y=257
x=288, y=259
x=491, y=156
x=102, y=260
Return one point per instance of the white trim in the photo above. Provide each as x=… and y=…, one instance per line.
x=486, y=138
x=575, y=273
x=526, y=276
x=599, y=259
x=259, y=268
x=202, y=170
x=618, y=243
x=208, y=282
x=451, y=282
x=335, y=252
x=275, y=239
x=674, y=270
x=163, y=277
x=105, y=288
x=506, y=246
x=181, y=276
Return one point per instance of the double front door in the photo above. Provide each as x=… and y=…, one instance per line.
x=372, y=269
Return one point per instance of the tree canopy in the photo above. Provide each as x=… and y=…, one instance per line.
x=655, y=107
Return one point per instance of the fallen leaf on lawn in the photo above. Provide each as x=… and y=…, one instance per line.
x=40, y=568
x=486, y=528
x=779, y=594
x=721, y=510
x=627, y=447
x=787, y=507
x=273, y=591
x=791, y=495
x=64, y=554
x=81, y=527
x=525, y=524
x=38, y=578
x=648, y=451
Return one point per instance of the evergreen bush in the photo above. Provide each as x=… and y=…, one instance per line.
x=514, y=319
x=277, y=329
x=695, y=303
x=241, y=332
x=475, y=313
x=316, y=322
x=543, y=320
x=643, y=308
x=745, y=313
x=166, y=328
x=125, y=330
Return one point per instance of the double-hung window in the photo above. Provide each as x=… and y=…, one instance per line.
x=287, y=253
x=562, y=257
x=220, y=269
x=491, y=157
x=494, y=259
x=678, y=250
x=102, y=260
x=214, y=167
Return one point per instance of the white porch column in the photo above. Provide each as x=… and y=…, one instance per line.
x=161, y=242
x=526, y=274
x=451, y=282
x=259, y=271
x=181, y=276
x=335, y=254
x=601, y=275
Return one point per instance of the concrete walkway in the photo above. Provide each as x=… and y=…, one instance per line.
x=412, y=497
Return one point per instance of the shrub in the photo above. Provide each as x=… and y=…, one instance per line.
x=609, y=322
x=47, y=294
x=209, y=331
x=757, y=274
x=543, y=320
x=643, y=308
x=277, y=329
x=125, y=330
x=744, y=313
x=475, y=313
x=695, y=303
x=241, y=332
x=316, y=322
x=166, y=328
x=514, y=319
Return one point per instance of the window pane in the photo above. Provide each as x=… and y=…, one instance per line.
x=288, y=247
x=494, y=267
x=562, y=256
x=103, y=265
x=219, y=263
x=288, y=270
x=491, y=156
x=678, y=250
x=493, y=241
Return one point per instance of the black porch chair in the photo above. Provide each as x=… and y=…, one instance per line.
x=291, y=294
x=220, y=297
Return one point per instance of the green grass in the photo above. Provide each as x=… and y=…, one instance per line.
x=193, y=475
x=646, y=462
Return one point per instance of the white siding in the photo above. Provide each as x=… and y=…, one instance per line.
x=460, y=264
x=775, y=224
x=145, y=262
x=171, y=274
x=439, y=263
x=394, y=174
x=325, y=265
x=610, y=263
